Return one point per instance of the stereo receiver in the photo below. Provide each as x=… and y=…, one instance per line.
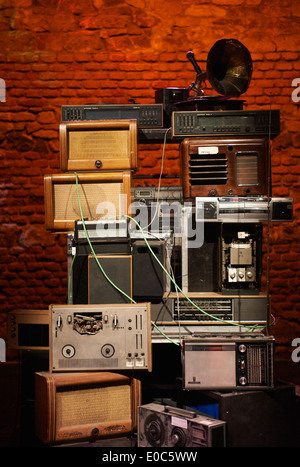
x=100, y=337
x=147, y=115
x=167, y=426
x=228, y=362
x=226, y=122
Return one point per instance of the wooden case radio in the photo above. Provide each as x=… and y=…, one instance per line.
x=85, y=406
x=224, y=166
x=105, y=194
x=98, y=145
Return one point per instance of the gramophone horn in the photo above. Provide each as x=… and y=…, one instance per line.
x=229, y=67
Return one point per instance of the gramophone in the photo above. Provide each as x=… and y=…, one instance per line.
x=228, y=70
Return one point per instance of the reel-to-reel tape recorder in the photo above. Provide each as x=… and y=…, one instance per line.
x=100, y=337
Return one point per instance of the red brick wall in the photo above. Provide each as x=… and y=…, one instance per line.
x=59, y=52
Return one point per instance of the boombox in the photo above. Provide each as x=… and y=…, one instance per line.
x=85, y=406
x=28, y=329
x=100, y=194
x=100, y=337
x=166, y=426
x=228, y=362
x=99, y=145
x=224, y=166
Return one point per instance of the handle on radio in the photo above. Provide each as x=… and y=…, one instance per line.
x=180, y=412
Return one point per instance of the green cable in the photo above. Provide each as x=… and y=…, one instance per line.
x=92, y=249
x=161, y=265
x=194, y=304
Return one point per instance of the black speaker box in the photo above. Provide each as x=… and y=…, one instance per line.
x=254, y=418
x=147, y=274
x=85, y=272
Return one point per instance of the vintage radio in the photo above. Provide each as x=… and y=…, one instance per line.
x=28, y=329
x=104, y=194
x=180, y=316
x=213, y=308
x=98, y=145
x=100, y=337
x=224, y=166
x=85, y=406
x=167, y=426
x=228, y=362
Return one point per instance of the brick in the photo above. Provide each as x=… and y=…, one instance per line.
x=109, y=52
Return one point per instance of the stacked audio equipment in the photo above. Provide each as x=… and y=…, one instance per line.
x=101, y=331
x=158, y=265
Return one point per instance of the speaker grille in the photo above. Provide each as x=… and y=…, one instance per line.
x=247, y=169
x=91, y=195
x=78, y=363
x=93, y=405
x=208, y=169
x=99, y=144
x=259, y=364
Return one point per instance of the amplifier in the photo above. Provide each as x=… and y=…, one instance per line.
x=100, y=337
x=224, y=166
x=28, y=329
x=101, y=194
x=105, y=145
x=226, y=122
x=85, y=406
x=228, y=362
x=147, y=115
x=167, y=426
x=244, y=209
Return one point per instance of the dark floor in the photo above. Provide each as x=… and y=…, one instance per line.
x=254, y=418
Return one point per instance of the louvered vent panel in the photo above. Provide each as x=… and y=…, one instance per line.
x=208, y=169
